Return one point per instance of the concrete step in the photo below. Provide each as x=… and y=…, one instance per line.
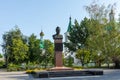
x=47, y=74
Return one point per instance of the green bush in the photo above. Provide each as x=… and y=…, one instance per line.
x=23, y=66
x=69, y=61
x=77, y=67
x=1, y=63
x=1, y=55
x=31, y=65
x=13, y=67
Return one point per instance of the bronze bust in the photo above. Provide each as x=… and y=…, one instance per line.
x=57, y=35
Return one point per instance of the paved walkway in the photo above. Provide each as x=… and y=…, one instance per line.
x=108, y=75
x=13, y=76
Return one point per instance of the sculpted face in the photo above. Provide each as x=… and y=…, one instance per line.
x=57, y=35
x=58, y=30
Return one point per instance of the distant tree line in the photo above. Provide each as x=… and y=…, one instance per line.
x=18, y=49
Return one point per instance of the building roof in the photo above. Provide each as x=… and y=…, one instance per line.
x=41, y=33
x=70, y=25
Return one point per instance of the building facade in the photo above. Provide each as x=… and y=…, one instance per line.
x=68, y=53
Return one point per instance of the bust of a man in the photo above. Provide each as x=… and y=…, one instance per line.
x=57, y=35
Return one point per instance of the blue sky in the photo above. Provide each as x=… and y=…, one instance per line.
x=33, y=15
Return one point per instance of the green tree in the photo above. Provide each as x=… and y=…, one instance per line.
x=38, y=55
x=103, y=35
x=1, y=55
x=83, y=56
x=69, y=61
x=34, y=50
x=77, y=36
x=48, y=56
x=19, y=51
x=95, y=41
x=8, y=41
x=114, y=43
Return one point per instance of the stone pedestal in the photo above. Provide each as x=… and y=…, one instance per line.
x=58, y=52
x=58, y=59
x=58, y=48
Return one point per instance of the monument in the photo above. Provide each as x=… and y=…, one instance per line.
x=58, y=48
x=59, y=70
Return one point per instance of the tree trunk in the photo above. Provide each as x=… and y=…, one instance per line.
x=82, y=64
x=117, y=65
x=99, y=64
x=108, y=66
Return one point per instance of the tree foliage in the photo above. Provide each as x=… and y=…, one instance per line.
x=77, y=36
x=69, y=61
x=34, y=50
x=83, y=55
x=1, y=55
x=49, y=52
x=14, y=46
x=77, y=39
x=103, y=33
x=19, y=51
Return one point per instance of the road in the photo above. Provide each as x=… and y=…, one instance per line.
x=108, y=75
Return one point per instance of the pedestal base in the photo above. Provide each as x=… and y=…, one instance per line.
x=58, y=59
x=68, y=73
x=61, y=69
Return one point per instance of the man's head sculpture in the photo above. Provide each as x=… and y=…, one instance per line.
x=57, y=30
x=57, y=35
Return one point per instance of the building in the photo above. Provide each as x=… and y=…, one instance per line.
x=68, y=53
x=111, y=15
x=41, y=40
